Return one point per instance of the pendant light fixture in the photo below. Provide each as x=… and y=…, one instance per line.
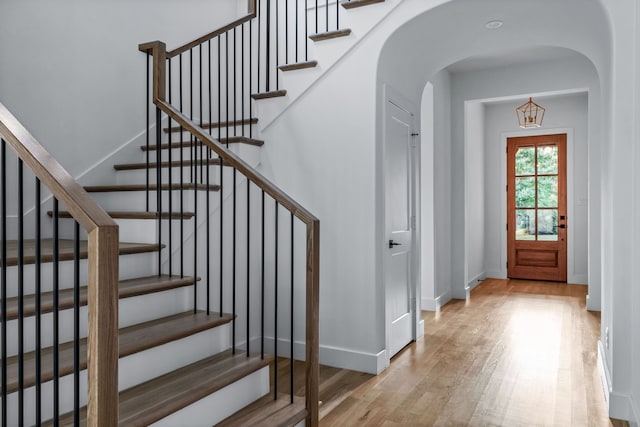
x=530, y=115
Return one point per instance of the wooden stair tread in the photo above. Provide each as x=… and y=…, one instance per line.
x=126, y=289
x=173, y=164
x=133, y=339
x=358, y=3
x=269, y=412
x=66, y=250
x=215, y=125
x=135, y=215
x=330, y=35
x=299, y=66
x=152, y=187
x=151, y=401
x=267, y=95
x=223, y=140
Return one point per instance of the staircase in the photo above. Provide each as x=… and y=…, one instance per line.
x=218, y=268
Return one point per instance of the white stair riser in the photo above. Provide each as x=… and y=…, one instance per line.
x=137, y=200
x=132, y=370
x=156, y=305
x=239, y=148
x=139, y=176
x=218, y=406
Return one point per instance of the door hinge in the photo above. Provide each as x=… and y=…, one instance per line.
x=506, y=188
x=507, y=227
x=507, y=264
x=413, y=222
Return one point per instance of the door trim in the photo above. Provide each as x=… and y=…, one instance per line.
x=571, y=275
x=390, y=94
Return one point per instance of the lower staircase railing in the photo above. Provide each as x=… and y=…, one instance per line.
x=258, y=266
x=40, y=344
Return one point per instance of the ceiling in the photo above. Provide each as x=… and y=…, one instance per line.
x=511, y=58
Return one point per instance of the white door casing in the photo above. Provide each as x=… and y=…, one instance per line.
x=399, y=227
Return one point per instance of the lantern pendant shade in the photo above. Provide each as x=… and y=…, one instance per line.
x=530, y=115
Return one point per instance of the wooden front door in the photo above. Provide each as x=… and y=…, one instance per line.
x=537, y=207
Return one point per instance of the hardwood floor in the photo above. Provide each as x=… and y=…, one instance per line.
x=519, y=353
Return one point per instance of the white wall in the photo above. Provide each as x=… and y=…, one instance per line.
x=566, y=113
x=72, y=73
x=474, y=193
x=436, y=199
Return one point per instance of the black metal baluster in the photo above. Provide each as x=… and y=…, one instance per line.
x=159, y=184
x=181, y=173
x=195, y=243
x=3, y=274
x=268, y=47
x=242, y=81
x=76, y=324
x=235, y=91
x=277, y=61
x=259, y=50
x=250, y=78
x=208, y=195
x=306, y=30
x=233, y=265
x=296, y=21
x=200, y=144
x=326, y=4
x=219, y=90
x=56, y=312
x=170, y=181
x=210, y=94
x=20, y=293
x=38, y=259
x=316, y=12
x=248, y=260
x=227, y=118
x=286, y=31
x=194, y=164
x=291, y=308
x=275, y=308
x=147, y=131
x=221, y=232
x=337, y=15
x=262, y=280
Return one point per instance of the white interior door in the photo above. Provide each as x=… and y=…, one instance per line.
x=399, y=228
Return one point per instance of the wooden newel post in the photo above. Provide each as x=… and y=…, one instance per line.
x=313, y=323
x=158, y=50
x=102, y=348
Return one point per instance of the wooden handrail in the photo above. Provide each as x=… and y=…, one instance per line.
x=52, y=174
x=102, y=350
x=252, y=10
x=158, y=51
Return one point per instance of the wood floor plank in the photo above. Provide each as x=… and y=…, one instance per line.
x=517, y=353
x=269, y=412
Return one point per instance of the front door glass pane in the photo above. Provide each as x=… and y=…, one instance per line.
x=525, y=161
x=547, y=191
x=526, y=192
x=548, y=160
x=525, y=224
x=548, y=224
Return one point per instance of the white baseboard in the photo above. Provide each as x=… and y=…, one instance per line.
x=620, y=405
x=496, y=274
x=371, y=363
x=476, y=281
x=434, y=304
x=578, y=279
